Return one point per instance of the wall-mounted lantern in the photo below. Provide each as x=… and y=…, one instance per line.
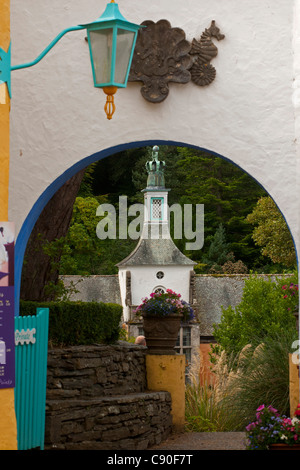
x=111, y=42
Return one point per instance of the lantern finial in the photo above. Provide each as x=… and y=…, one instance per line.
x=111, y=41
x=110, y=107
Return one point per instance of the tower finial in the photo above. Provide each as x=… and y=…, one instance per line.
x=155, y=169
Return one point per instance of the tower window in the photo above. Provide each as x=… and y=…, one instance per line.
x=156, y=208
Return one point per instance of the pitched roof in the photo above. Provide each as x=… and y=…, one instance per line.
x=161, y=251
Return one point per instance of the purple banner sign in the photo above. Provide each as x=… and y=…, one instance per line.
x=7, y=320
x=7, y=335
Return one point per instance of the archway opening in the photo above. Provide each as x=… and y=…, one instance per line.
x=80, y=166
x=185, y=159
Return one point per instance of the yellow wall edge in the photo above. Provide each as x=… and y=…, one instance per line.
x=8, y=425
x=294, y=385
x=4, y=114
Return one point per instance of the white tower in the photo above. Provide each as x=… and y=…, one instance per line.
x=156, y=263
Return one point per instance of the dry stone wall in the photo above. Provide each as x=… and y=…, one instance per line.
x=97, y=400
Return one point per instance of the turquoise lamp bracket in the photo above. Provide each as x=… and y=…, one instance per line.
x=5, y=68
x=111, y=17
x=5, y=58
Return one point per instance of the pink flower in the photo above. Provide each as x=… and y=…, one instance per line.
x=273, y=410
x=250, y=426
x=287, y=422
x=261, y=407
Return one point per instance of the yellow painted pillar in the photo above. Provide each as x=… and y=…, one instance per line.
x=294, y=385
x=8, y=426
x=4, y=114
x=167, y=373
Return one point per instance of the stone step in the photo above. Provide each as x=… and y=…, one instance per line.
x=134, y=421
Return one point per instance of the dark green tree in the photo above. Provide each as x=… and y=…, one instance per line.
x=228, y=195
x=219, y=251
x=39, y=268
x=83, y=252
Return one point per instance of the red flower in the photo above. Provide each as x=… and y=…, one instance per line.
x=297, y=412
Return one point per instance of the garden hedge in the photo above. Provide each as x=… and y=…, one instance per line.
x=78, y=323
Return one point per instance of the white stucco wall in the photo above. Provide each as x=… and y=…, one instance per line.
x=144, y=281
x=249, y=114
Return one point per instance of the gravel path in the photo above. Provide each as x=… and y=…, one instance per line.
x=204, y=441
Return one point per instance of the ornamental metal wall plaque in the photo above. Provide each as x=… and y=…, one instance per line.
x=203, y=51
x=163, y=55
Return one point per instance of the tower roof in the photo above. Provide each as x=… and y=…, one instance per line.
x=161, y=251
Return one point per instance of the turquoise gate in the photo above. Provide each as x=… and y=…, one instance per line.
x=31, y=349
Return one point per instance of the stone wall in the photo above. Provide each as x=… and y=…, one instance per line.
x=97, y=399
x=216, y=291
x=98, y=288
x=211, y=293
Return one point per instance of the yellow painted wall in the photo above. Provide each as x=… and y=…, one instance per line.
x=4, y=114
x=294, y=385
x=8, y=426
x=167, y=373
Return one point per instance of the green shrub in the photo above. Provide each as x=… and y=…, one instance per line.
x=79, y=323
x=265, y=310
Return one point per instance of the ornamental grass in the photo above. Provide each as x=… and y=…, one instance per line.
x=241, y=383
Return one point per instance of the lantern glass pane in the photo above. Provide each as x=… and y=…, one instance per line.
x=124, y=46
x=101, y=45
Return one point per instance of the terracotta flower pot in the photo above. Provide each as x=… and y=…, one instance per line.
x=161, y=333
x=280, y=446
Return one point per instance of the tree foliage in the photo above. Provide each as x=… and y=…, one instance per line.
x=83, y=252
x=228, y=194
x=40, y=268
x=265, y=310
x=272, y=233
x=194, y=177
x=220, y=258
